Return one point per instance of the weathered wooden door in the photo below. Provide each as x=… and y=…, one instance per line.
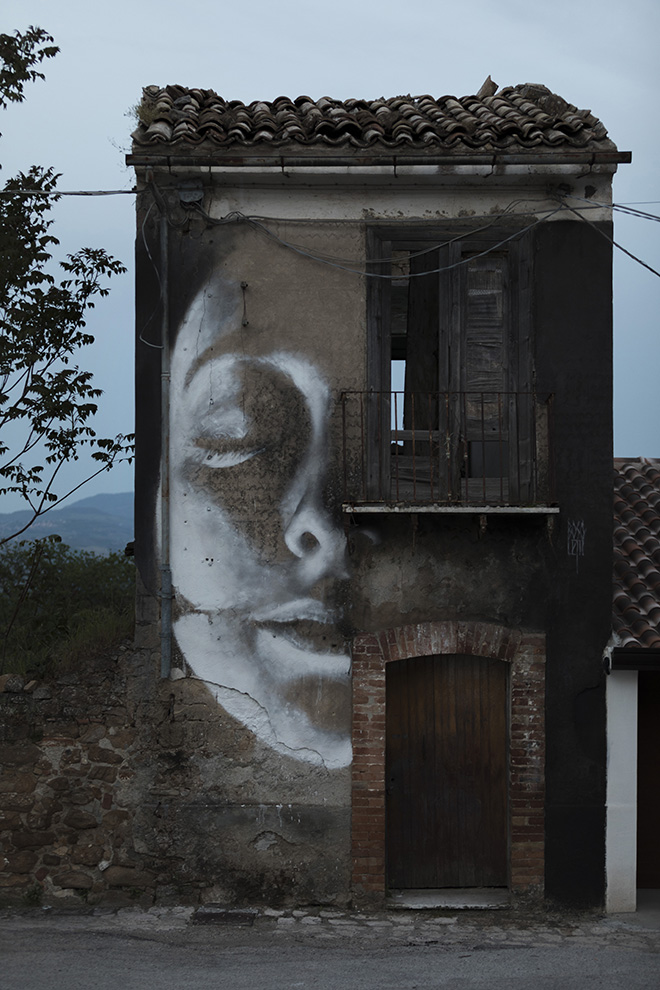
x=446, y=779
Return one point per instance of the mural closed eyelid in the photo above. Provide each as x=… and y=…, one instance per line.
x=228, y=459
x=227, y=436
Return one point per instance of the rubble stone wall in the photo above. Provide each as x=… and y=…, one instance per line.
x=117, y=788
x=67, y=750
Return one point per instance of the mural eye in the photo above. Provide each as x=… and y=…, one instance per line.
x=221, y=452
x=230, y=458
x=226, y=438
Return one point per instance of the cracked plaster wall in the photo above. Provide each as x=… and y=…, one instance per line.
x=258, y=554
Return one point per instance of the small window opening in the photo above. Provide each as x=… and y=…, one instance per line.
x=399, y=333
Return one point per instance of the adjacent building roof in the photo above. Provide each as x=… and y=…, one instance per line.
x=527, y=118
x=636, y=607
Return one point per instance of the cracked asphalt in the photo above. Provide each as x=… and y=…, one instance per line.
x=325, y=949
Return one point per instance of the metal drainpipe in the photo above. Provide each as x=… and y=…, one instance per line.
x=165, y=571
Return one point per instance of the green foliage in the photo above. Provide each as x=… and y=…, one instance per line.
x=46, y=400
x=58, y=606
x=19, y=53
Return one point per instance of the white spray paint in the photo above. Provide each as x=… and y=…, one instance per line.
x=239, y=606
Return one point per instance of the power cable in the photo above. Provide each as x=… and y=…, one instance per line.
x=618, y=207
x=236, y=217
x=68, y=192
x=611, y=240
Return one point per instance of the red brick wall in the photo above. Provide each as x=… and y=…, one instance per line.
x=526, y=655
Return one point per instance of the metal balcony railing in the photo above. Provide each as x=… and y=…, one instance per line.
x=447, y=448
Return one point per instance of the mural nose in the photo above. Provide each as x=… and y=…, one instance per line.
x=318, y=544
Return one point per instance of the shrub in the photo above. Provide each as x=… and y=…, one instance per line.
x=58, y=605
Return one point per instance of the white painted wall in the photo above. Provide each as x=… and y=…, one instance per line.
x=306, y=198
x=621, y=841
x=432, y=193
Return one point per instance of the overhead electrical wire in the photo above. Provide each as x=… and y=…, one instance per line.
x=236, y=217
x=611, y=240
x=134, y=191
x=617, y=207
x=55, y=193
x=492, y=218
x=627, y=209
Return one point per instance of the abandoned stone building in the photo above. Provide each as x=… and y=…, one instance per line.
x=374, y=481
x=373, y=511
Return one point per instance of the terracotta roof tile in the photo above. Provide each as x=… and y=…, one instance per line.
x=516, y=118
x=636, y=602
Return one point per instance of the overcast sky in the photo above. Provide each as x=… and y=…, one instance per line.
x=598, y=54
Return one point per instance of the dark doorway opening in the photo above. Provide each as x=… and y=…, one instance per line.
x=648, y=771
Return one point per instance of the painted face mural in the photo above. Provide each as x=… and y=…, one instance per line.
x=255, y=557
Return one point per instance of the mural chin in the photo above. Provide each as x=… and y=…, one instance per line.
x=254, y=553
x=292, y=698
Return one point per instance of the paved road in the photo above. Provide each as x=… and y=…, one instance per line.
x=132, y=950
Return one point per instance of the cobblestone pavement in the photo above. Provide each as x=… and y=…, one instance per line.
x=476, y=929
x=323, y=949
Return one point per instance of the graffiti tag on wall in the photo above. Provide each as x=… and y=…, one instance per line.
x=577, y=534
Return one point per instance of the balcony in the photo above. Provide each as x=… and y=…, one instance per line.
x=447, y=451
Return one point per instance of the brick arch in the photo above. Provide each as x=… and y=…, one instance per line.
x=478, y=639
x=525, y=652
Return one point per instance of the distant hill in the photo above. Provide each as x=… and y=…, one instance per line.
x=100, y=523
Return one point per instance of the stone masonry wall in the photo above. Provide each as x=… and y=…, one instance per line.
x=117, y=788
x=65, y=751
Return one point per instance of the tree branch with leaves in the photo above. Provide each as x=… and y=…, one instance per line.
x=47, y=402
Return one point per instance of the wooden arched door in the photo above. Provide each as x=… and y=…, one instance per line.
x=446, y=772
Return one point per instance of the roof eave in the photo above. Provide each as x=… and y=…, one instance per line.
x=172, y=157
x=636, y=657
